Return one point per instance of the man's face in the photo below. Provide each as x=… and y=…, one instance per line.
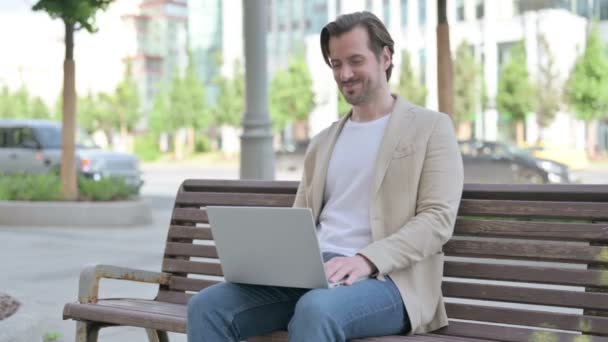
x=357, y=71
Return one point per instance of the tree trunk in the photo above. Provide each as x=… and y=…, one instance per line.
x=444, y=61
x=591, y=133
x=124, y=138
x=69, y=189
x=520, y=133
x=178, y=144
x=465, y=131
x=190, y=141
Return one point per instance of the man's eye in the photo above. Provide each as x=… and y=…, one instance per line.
x=356, y=62
x=335, y=66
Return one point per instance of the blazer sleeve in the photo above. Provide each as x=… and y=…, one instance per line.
x=438, y=198
x=300, y=200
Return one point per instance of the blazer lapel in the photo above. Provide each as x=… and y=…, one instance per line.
x=321, y=166
x=402, y=114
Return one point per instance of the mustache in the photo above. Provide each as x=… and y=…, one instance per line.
x=349, y=82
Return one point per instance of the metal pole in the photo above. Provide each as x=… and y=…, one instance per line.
x=257, y=155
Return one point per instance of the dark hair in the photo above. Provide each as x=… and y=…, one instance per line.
x=377, y=32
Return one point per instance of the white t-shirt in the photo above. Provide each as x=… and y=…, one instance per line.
x=344, y=224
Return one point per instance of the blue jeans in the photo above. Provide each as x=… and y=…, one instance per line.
x=235, y=312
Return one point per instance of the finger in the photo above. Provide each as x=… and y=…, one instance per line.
x=353, y=277
x=331, y=267
x=341, y=273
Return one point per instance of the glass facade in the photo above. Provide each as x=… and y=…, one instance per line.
x=386, y=12
x=422, y=12
x=459, y=10
x=404, y=15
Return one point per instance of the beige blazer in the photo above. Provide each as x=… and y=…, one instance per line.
x=414, y=199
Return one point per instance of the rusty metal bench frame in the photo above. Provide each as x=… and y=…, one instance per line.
x=566, y=224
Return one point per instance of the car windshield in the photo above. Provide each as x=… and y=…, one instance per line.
x=518, y=151
x=50, y=137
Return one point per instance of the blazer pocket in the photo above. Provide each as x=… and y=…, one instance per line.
x=402, y=151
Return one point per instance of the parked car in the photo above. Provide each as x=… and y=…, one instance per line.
x=495, y=162
x=34, y=146
x=575, y=159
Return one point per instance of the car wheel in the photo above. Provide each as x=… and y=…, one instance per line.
x=531, y=177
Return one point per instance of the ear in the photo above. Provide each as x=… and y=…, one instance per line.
x=386, y=57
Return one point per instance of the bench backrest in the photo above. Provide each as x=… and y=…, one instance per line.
x=532, y=256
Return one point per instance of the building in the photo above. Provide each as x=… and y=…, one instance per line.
x=158, y=29
x=490, y=27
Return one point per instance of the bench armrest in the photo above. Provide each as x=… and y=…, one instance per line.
x=88, y=286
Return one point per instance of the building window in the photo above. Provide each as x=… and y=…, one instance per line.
x=603, y=9
x=582, y=8
x=422, y=12
x=479, y=9
x=422, y=59
x=459, y=10
x=368, y=5
x=338, y=7
x=403, y=15
x=386, y=12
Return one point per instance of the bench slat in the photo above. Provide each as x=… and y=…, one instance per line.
x=188, y=249
x=241, y=186
x=532, y=209
x=189, y=232
x=193, y=215
x=512, y=334
x=190, y=284
x=514, y=294
x=528, y=251
x=532, y=318
x=528, y=274
x=105, y=312
x=533, y=230
x=171, y=296
x=192, y=267
x=236, y=199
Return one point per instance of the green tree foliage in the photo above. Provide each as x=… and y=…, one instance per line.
x=587, y=88
x=230, y=101
x=291, y=94
x=549, y=89
x=409, y=85
x=187, y=104
x=467, y=84
x=20, y=104
x=79, y=13
x=516, y=94
x=125, y=103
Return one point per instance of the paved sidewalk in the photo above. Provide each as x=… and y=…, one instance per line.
x=41, y=267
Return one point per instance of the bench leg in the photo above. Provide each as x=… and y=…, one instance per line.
x=157, y=335
x=87, y=332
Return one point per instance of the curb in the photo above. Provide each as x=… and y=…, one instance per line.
x=121, y=213
x=23, y=325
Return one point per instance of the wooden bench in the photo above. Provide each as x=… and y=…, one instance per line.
x=527, y=263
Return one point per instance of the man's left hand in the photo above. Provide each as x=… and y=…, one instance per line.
x=348, y=269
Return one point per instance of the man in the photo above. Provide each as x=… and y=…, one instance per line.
x=384, y=184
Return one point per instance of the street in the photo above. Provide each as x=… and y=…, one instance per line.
x=41, y=264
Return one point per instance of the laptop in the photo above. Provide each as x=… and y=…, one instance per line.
x=268, y=246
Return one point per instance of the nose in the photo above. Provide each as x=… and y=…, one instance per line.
x=346, y=73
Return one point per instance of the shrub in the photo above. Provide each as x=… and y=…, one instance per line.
x=47, y=187
x=202, y=144
x=105, y=189
x=30, y=187
x=146, y=147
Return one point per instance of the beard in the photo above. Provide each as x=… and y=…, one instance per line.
x=352, y=96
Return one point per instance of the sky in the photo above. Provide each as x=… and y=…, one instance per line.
x=32, y=50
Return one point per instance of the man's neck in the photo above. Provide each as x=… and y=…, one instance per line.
x=374, y=109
